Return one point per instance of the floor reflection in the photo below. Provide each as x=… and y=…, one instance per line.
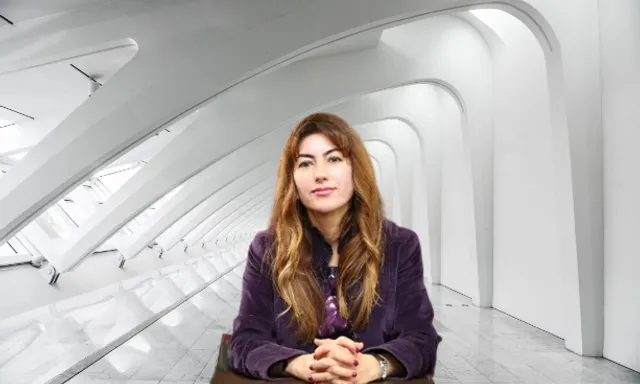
x=66, y=337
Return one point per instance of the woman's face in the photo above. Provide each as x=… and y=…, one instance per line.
x=322, y=175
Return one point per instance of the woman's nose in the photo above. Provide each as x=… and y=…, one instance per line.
x=320, y=177
x=320, y=173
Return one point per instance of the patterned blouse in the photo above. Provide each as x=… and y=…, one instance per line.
x=334, y=325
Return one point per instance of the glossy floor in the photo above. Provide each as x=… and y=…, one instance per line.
x=53, y=343
x=480, y=346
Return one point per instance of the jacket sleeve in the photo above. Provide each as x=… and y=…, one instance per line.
x=252, y=348
x=414, y=338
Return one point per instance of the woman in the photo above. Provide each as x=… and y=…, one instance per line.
x=332, y=292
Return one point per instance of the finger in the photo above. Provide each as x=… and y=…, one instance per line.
x=321, y=351
x=353, y=346
x=320, y=342
x=325, y=349
x=338, y=381
x=322, y=364
x=342, y=372
x=337, y=352
x=332, y=366
x=347, y=345
x=343, y=356
x=323, y=377
x=327, y=363
x=344, y=342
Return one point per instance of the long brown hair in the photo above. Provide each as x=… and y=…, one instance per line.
x=360, y=244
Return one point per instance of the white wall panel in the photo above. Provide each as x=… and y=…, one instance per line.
x=458, y=241
x=620, y=32
x=385, y=156
x=526, y=215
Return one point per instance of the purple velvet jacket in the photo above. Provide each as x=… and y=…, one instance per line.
x=402, y=325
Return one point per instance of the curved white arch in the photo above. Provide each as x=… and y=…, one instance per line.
x=196, y=190
x=147, y=180
x=225, y=223
x=402, y=141
x=113, y=123
x=402, y=107
x=386, y=157
x=429, y=109
x=207, y=210
x=376, y=169
x=222, y=215
x=261, y=208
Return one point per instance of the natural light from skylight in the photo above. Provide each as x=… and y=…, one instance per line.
x=500, y=21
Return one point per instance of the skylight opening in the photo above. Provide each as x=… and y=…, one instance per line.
x=117, y=169
x=500, y=21
x=488, y=16
x=17, y=156
x=5, y=123
x=9, y=117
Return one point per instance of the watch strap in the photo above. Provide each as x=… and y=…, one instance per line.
x=384, y=366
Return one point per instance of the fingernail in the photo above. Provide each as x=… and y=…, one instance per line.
x=354, y=374
x=310, y=378
x=356, y=362
x=357, y=350
x=314, y=357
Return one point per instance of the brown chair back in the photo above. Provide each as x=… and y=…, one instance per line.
x=223, y=360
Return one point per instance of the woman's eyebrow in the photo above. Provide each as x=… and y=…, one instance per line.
x=329, y=151
x=312, y=157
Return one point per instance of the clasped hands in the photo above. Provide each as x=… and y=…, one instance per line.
x=336, y=361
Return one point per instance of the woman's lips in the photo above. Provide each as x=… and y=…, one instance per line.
x=322, y=191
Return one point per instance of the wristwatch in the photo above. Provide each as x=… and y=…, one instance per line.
x=383, y=366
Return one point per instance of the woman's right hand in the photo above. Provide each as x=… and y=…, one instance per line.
x=300, y=367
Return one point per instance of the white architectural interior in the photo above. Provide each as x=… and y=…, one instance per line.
x=139, y=143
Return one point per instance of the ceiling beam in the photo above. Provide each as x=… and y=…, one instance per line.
x=5, y=19
x=18, y=112
x=85, y=74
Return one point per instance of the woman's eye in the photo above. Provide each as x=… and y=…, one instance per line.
x=335, y=159
x=304, y=164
